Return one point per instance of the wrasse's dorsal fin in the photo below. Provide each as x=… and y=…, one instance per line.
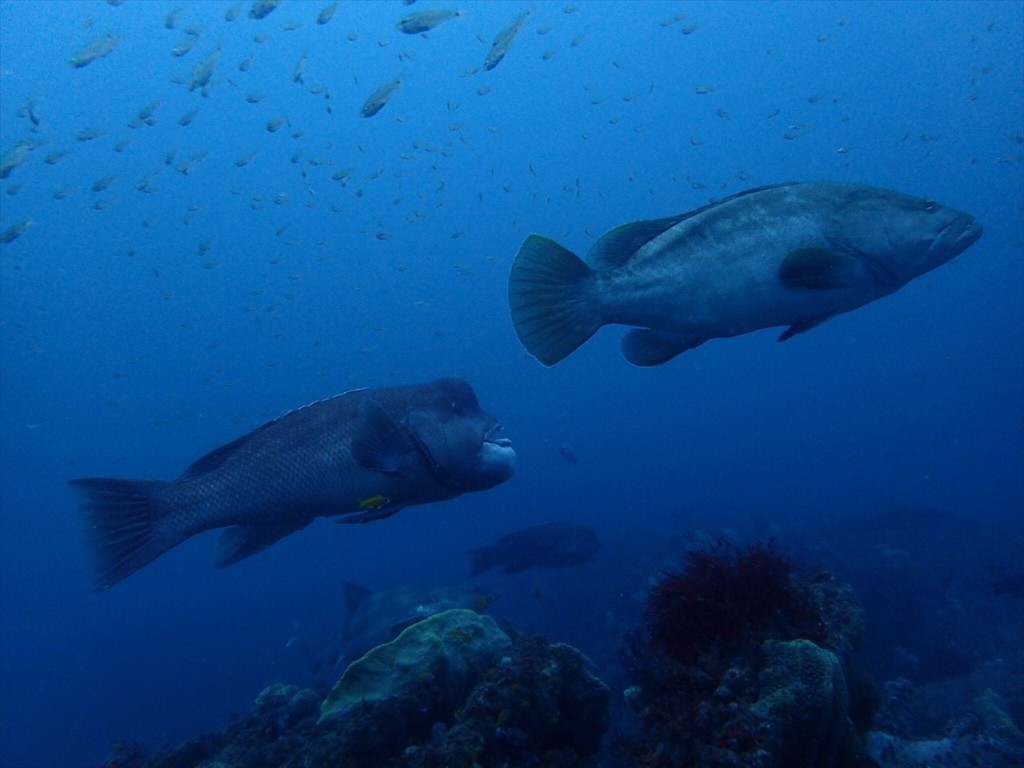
x=216, y=457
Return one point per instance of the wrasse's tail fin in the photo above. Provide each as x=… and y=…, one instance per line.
x=121, y=524
x=547, y=293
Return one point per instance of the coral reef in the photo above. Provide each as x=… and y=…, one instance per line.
x=746, y=663
x=431, y=666
x=467, y=696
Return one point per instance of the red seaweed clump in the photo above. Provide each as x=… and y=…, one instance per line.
x=727, y=599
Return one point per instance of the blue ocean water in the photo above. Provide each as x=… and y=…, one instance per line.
x=142, y=328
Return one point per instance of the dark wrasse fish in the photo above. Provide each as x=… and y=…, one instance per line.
x=364, y=454
x=788, y=255
x=548, y=545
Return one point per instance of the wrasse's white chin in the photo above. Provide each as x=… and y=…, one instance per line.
x=497, y=458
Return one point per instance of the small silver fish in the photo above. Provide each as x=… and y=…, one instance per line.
x=424, y=21
x=261, y=8
x=504, y=40
x=15, y=231
x=95, y=50
x=326, y=14
x=379, y=98
x=204, y=71
x=185, y=46
x=14, y=157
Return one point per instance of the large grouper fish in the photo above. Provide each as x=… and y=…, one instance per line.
x=363, y=455
x=785, y=255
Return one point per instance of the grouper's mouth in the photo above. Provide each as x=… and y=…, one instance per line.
x=957, y=236
x=968, y=236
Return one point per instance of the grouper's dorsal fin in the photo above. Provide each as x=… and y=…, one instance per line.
x=615, y=247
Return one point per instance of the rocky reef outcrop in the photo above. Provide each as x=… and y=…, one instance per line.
x=453, y=690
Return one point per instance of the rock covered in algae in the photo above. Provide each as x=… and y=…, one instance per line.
x=433, y=664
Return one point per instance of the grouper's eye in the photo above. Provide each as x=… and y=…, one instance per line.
x=929, y=204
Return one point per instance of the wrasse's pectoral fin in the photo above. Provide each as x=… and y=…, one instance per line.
x=379, y=444
x=647, y=347
x=369, y=515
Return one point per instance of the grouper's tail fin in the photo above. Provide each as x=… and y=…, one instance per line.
x=122, y=525
x=547, y=293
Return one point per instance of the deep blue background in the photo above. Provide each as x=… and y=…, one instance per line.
x=127, y=352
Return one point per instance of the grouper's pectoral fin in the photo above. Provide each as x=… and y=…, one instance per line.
x=803, y=325
x=647, y=347
x=820, y=269
x=239, y=541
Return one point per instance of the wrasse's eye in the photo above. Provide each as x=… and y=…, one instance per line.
x=929, y=204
